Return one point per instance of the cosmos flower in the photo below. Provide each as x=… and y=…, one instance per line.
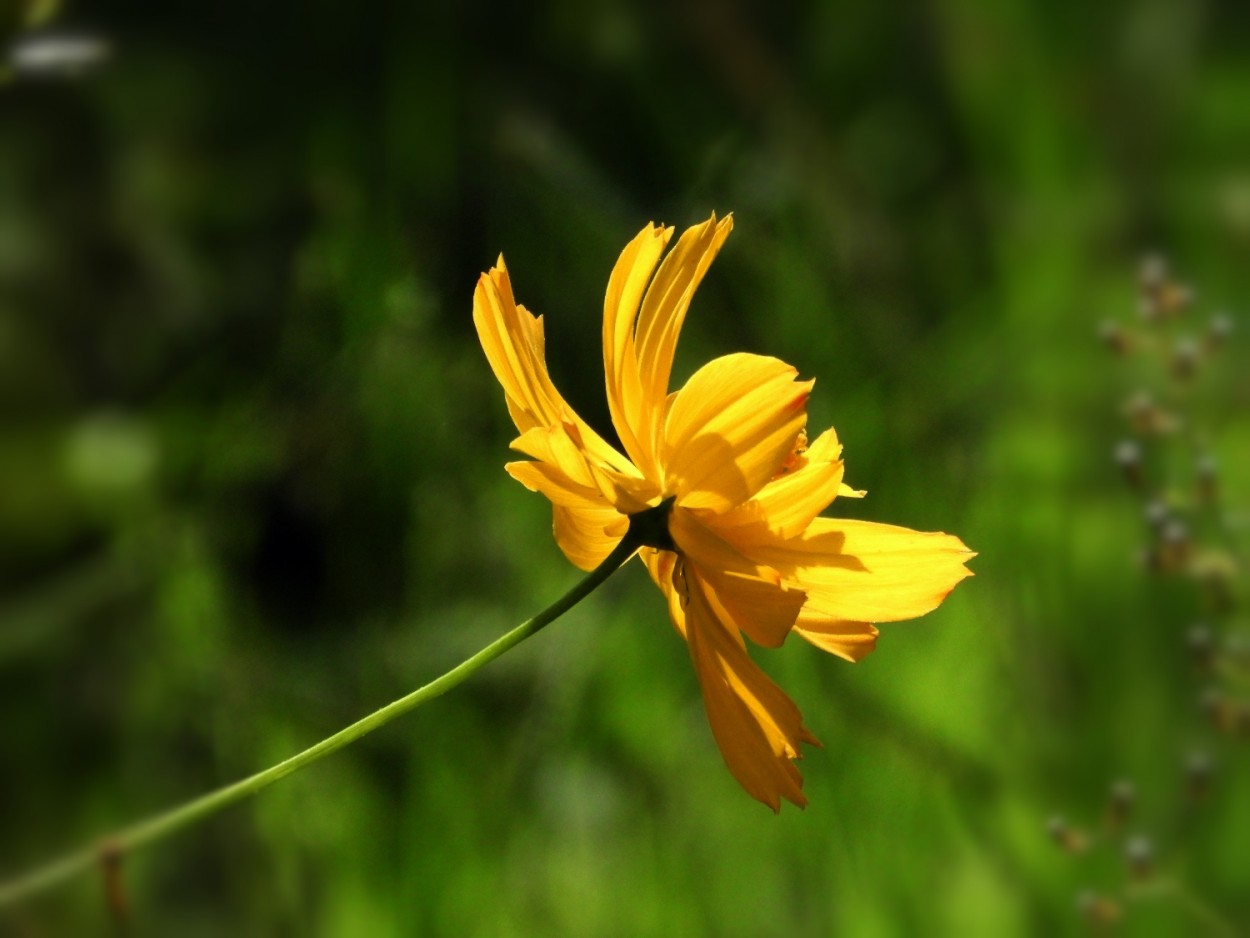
x=727, y=462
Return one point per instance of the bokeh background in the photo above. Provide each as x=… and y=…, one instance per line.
x=251, y=479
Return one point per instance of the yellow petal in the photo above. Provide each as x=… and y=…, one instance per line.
x=824, y=449
x=553, y=445
x=664, y=570
x=849, y=640
x=587, y=533
x=730, y=428
x=757, y=727
x=552, y=482
x=861, y=571
x=760, y=609
x=626, y=288
x=664, y=311
x=743, y=594
x=512, y=339
x=786, y=505
x=641, y=323
x=562, y=449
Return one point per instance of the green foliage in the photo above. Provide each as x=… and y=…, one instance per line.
x=251, y=458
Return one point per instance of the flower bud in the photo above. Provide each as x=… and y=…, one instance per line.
x=1114, y=338
x=1128, y=457
x=1201, y=645
x=1070, y=839
x=1215, y=707
x=1184, y=358
x=1175, y=298
x=1198, y=773
x=1097, y=909
x=1123, y=797
x=1139, y=852
x=1174, y=545
x=1206, y=471
x=1219, y=329
x=1153, y=272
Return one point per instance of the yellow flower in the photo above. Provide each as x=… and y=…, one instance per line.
x=745, y=551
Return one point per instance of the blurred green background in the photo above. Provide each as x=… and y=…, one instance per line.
x=251, y=479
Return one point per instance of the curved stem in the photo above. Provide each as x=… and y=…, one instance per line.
x=112, y=846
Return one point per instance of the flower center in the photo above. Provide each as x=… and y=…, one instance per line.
x=649, y=528
x=797, y=458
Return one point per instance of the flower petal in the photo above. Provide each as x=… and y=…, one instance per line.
x=588, y=533
x=785, y=506
x=861, y=571
x=850, y=640
x=552, y=482
x=670, y=578
x=730, y=428
x=512, y=339
x=626, y=288
x=824, y=449
x=641, y=323
x=762, y=610
x=745, y=595
x=562, y=447
x=664, y=311
x=757, y=727
x=554, y=446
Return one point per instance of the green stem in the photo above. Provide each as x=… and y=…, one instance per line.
x=113, y=846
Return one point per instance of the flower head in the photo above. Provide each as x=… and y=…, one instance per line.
x=746, y=551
